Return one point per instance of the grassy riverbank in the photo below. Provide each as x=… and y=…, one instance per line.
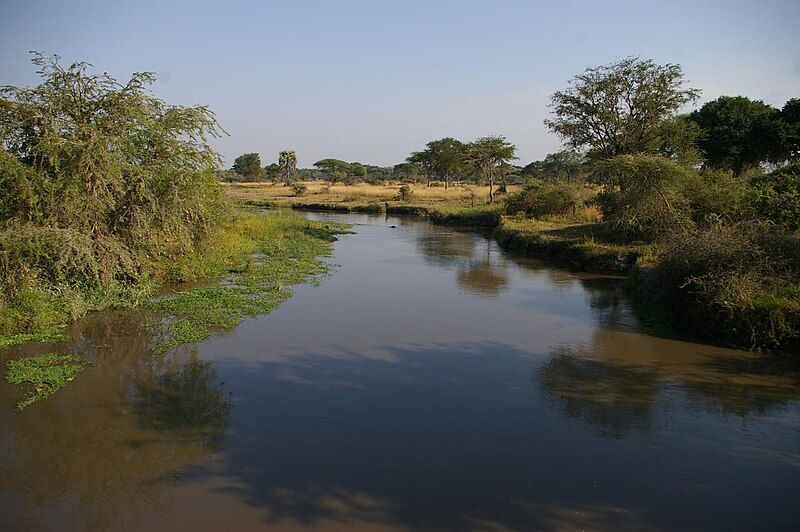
x=274, y=251
x=727, y=284
x=270, y=253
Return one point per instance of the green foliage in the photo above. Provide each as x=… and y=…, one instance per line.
x=483, y=216
x=442, y=158
x=248, y=166
x=567, y=165
x=734, y=282
x=358, y=170
x=46, y=374
x=299, y=188
x=715, y=195
x=645, y=195
x=737, y=133
x=334, y=169
x=407, y=171
x=619, y=108
x=486, y=155
x=99, y=181
x=777, y=196
x=282, y=249
x=405, y=193
x=790, y=130
x=542, y=198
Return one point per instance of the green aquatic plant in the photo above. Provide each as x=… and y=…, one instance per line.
x=284, y=250
x=46, y=374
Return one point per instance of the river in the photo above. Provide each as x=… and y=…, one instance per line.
x=431, y=381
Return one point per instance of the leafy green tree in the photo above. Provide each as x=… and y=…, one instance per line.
x=287, y=166
x=568, y=165
x=790, y=130
x=618, y=108
x=272, y=171
x=424, y=160
x=102, y=173
x=248, y=166
x=486, y=155
x=650, y=200
x=334, y=169
x=358, y=170
x=778, y=196
x=444, y=158
x=737, y=133
x=406, y=171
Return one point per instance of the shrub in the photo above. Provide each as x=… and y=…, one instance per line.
x=645, y=197
x=540, y=198
x=737, y=282
x=405, y=193
x=777, y=196
x=99, y=180
x=718, y=195
x=299, y=188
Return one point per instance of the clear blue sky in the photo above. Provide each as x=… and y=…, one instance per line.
x=370, y=80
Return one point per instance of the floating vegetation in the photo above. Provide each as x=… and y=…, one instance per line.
x=46, y=374
x=284, y=250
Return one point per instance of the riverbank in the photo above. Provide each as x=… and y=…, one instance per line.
x=288, y=249
x=587, y=246
x=731, y=311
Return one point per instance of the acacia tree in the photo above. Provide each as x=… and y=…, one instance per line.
x=618, y=108
x=424, y=160
x=443, y=158
x=334, y=169
x=287, y=165
x=248, y=166
x=738, y=133
x=487, y=154
x=567, y=165
x=97, y=176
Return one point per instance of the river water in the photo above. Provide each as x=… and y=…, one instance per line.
x=431, y=381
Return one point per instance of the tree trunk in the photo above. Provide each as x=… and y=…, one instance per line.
x=491, y=190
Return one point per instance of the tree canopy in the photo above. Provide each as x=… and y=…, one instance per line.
x=486, y=155
x=738, y=133
x=618, y=108
x=97, y=177
x=248, y=166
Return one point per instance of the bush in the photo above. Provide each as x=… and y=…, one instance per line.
x=299, y=188
x=102, y=181
x=718, y=195
x=541, y=198
x=405, y=193
x=645, y=196
x=737, y=282
x=777, y=196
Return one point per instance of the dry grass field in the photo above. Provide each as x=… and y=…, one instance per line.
x=460, y=195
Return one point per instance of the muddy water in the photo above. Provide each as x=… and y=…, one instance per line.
x=431, y=381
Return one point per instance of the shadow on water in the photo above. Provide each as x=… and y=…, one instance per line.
x=475, y=391
x=105, y=449
x=453, y=436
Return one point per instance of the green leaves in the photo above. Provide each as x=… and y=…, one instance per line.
x=618, y=108
x=45, y=374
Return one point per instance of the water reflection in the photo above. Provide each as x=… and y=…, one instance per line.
x=106, y=448
x=614, y=385
x=477, y=260
x=464, y=389
x=182, y=399
x=610, y=399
